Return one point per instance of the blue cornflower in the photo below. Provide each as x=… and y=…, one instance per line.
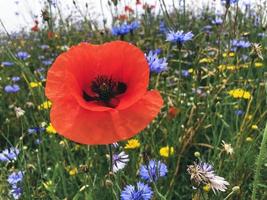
x=217, y=21
x=228, y=2
x=185, y=73
x=262, y=35
x=162, y=27
x=207, y=28
x=153, y=170
x=120, y=30
x=240, y=44
x=15, y=78
x=35, y=130
x=7, y=64
x=156, y=64
x=8, y=155
x=134, y=25
x=44, y=46
x=179, y=37
x=239, y=112
x=23, y=55
x=143, y=192
x=12, y=88
x=16, y=192
x=15, y=178
x=47, y=62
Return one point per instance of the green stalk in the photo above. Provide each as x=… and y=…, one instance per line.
x=260, y=161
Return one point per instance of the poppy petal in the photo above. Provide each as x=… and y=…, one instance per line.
x=74, y=71
x=88, y=127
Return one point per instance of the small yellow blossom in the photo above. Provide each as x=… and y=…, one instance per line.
x=206, y=60
x=72, y=171
x=239, y=93
x=258, y=64
x=249, y=139
x=45, y=105
x=191, y=70
x=206, y=187
x=249, y=117
x=197, y=154
x=48, y=184
x=166, y=151
x=254, y=127
x=35, y=84
x=228, y=67
x=230, y=54
x=63, y=143
x=50, y=129
x=132, y=144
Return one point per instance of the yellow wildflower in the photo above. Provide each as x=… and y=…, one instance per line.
x=239, y=93
x=50, y=129
x=258, y=64
x=35, y=84
x=249, y=117
x=249, y=139
x=45, y=105
x=206, y=60
x=166, y=151
x=132, y=144
x=48, y=184
x=206, y=187
x=72, y=171
x=254, y=127
x=191, y=70
x=230, y=54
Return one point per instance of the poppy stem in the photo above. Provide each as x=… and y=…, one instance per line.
x=110, y=157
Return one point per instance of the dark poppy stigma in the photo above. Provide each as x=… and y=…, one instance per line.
x=106, y=89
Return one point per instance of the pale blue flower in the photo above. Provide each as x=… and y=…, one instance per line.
x=179, y=37
x=155, y=63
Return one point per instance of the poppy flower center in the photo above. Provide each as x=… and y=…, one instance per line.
x=106, y=89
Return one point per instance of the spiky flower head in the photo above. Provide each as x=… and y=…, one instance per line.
x=203, y=174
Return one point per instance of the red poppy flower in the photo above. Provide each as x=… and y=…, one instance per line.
x=99, y=93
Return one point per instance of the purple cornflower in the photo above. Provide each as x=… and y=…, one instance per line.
x=239, y=112
x=15, y=78
x=156, y=64
x=44, y=46
x=203, y=173
x=120, y=30
x=142, y=192
x=15, y=178
x=119, y=161
x=185, y=73
x=12, y=88
x=35, y=130
x=217, y=21
x=240, y=43
x=23, y=55
x=16, y=192
x=7, y=64
x=153, y=170
x=47, y=62
x=179, y=37
x=9, y=155
x=207, y=29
